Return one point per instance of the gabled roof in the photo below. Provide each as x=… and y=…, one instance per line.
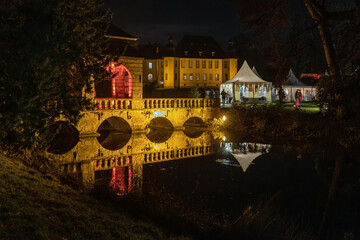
x=246, y=75
x=115, y=32
x=291, y=80
x=191, y=46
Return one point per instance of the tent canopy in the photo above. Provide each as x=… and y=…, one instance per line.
x=291, y=80
x=245, y=75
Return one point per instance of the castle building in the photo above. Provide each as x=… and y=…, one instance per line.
x=197, y=61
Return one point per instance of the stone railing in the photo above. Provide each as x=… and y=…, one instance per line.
x=109, y=163
x=111, y=103
x=178, y=153
x=155, y=103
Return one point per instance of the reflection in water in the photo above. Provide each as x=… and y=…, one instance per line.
x=66, y=137
x=121, y=180
x=193, y=132
x=244, y=153
x=113, y=140
x=157, y=135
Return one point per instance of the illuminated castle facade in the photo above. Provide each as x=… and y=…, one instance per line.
x=197, y=61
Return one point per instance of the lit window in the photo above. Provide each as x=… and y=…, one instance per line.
x=191, y=77
x=182, y=63
x=197, y=63
x=150, y=65
x=200, y=53
x=150, y=77
x=216, y=64
x=165, y=76
x=217, y=77
x=184, y=76
x=190, y=63
x=210, y=64
x=213, y=54
x=204, y=77
x=204, y=63
x=197, y=76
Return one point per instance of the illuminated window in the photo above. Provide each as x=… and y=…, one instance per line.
x=217, y=77
x=200, y=53
x=210, y=63
x=197, y=64
x=216, y=64
x=204, y=64
x=150, y=65
x=182, y=63
x=197, y=76
x=166, y=63
x=150, y=77
x=204, y=76
x=165, y=76
x=210, y=76
x=213, y=54
x=191, y=77
x=184, y=76
x=190, y=63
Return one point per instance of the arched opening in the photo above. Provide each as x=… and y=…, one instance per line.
x=120, y=85
x=64, y=136
x=161, y=130
x=194, y=127
x=114, y=132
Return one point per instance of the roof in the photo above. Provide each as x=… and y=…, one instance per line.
x=245, y=75
x=291, y=80
x=192, y=46
x=255, y=71
x=121, y=43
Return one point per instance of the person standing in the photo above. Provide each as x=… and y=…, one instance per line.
x=223, y=97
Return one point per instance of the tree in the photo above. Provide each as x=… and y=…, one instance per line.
x=51, y=52
x=335, y=21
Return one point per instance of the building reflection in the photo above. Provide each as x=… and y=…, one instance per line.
x=126, y=163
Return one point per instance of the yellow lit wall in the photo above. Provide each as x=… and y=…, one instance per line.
x=156, y=71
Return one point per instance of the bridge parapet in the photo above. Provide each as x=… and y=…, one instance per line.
x=154, y=103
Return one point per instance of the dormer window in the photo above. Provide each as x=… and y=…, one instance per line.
x=213, y=54
x=186, y=53
x=200, y=53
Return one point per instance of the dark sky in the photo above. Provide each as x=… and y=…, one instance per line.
x=156, y=20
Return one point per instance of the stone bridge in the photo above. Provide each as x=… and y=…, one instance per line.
x=138, y=113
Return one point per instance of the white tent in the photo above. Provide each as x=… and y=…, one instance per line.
x=247, y=85
x=245, y=160
x=292, y=84
x=255, y=71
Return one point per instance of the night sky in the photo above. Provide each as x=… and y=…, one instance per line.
x=156, y=20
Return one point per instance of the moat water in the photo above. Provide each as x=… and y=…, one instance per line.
x=220, y=181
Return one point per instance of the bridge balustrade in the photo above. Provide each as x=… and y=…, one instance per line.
x=104, y=164
x=111, y=104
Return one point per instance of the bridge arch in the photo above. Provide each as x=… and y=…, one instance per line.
x=194, y=127
x=160, y=130
x=65, y=138
x=115, y=133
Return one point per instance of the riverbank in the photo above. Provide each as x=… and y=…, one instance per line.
x=38, y=206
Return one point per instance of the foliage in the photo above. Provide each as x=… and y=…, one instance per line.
x=194, y=92
x=333, y=24
x=50, y=54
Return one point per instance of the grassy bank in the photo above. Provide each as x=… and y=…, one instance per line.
x=37, y=206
